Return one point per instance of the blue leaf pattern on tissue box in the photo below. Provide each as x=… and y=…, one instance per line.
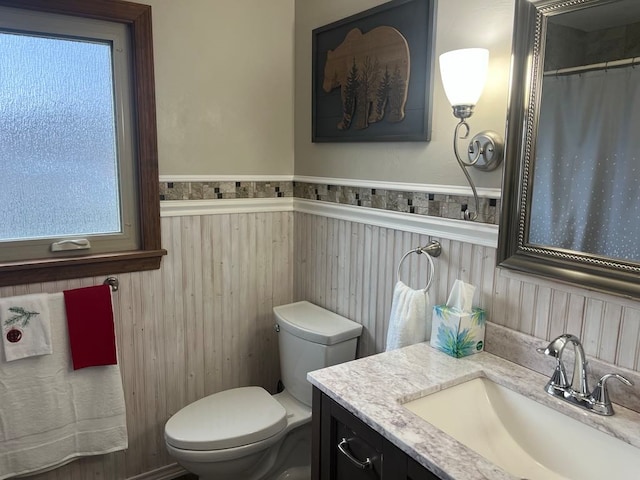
x=454, y=343
x=458, y=333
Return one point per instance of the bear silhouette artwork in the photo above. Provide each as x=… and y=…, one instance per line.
x=372, y=70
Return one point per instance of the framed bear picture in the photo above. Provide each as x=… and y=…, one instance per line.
x=373, y=74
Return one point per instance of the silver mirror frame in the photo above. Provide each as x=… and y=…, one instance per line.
x=584, y=270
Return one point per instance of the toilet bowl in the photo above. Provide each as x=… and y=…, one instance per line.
x=247, y=434
x=239, y=443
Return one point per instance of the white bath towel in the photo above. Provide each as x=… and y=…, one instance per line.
x=26, y=330
x=410, y=319
x=50, y=414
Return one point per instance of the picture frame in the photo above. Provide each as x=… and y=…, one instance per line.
x=372, y=75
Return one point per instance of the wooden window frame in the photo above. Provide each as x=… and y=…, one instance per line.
x=148, y=256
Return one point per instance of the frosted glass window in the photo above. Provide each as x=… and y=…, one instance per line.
x=58, y=138
x=78, y=140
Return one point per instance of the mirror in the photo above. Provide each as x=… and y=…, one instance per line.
x=571, y=190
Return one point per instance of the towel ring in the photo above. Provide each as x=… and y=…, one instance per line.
x=420, y=251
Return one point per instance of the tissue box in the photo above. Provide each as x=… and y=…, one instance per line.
x=458, y=333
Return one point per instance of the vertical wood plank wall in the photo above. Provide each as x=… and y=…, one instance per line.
x=203, y=322
x=350, y=268
x=200, y=324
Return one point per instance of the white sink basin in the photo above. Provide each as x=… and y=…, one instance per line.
x=523, y=437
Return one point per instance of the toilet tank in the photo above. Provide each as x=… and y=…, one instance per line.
x=311, y=337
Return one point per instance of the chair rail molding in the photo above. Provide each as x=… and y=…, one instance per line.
x=478, y=234
x=407, y=187
x=182, y=208
x=226, y=178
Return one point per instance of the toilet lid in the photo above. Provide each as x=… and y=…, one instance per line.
x=231, y=418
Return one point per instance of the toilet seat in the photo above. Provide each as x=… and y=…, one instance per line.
x=227, y=419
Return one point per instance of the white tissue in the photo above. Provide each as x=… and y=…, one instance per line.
x=461, y=296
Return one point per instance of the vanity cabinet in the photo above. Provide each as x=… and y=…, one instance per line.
x=345, y=448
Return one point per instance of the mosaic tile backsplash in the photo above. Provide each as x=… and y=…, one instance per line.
x=419, y=203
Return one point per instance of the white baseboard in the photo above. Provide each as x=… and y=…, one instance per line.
x=168, y=472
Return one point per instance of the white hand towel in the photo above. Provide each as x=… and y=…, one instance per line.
x=410, y=320
x=26, y=329
x=51, y=414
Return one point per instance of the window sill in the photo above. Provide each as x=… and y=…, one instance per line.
x=37, y=271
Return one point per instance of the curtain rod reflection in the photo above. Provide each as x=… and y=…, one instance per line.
x=625, y=62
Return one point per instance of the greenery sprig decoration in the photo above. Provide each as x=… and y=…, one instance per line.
x=20, y=315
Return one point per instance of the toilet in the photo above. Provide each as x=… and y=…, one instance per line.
x=246, y=433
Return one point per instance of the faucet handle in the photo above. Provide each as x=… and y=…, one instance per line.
x=556, y=347
x=558, y=380
x=600, y=394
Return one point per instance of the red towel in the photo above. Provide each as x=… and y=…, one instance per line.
x=90, y=324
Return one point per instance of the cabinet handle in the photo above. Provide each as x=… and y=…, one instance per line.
x=343, y=446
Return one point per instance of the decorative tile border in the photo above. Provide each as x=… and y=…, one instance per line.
x=224, y=190
x=416, y=202
x=421, y=203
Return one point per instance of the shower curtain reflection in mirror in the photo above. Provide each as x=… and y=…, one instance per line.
x=586, y=179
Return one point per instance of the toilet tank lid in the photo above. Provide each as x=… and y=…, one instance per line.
x=316, y=324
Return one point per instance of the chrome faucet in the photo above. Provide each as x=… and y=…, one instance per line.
x=577, y=393
x=579, y=383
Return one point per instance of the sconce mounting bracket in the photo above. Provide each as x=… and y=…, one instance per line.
x=487, y=147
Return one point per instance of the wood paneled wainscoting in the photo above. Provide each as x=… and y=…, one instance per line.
x=350, y=267
x=200, y=324
x=203, y=322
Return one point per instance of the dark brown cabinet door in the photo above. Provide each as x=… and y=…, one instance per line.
x=415, y=471
x=355, y=458
x=350, y=449
x=345, y=448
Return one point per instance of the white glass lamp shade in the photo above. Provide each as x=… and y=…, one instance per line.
x=464, y=73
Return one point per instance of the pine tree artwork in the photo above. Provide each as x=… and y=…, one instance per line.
x=383, y=93
x=350, y=94
x=361, y=67
x=396, y=94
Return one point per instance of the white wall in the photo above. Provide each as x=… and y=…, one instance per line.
x=459, y=24
x=224, y=86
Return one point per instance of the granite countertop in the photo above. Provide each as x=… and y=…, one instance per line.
x=373, y=389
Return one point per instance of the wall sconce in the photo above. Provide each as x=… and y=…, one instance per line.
x=464, y=73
